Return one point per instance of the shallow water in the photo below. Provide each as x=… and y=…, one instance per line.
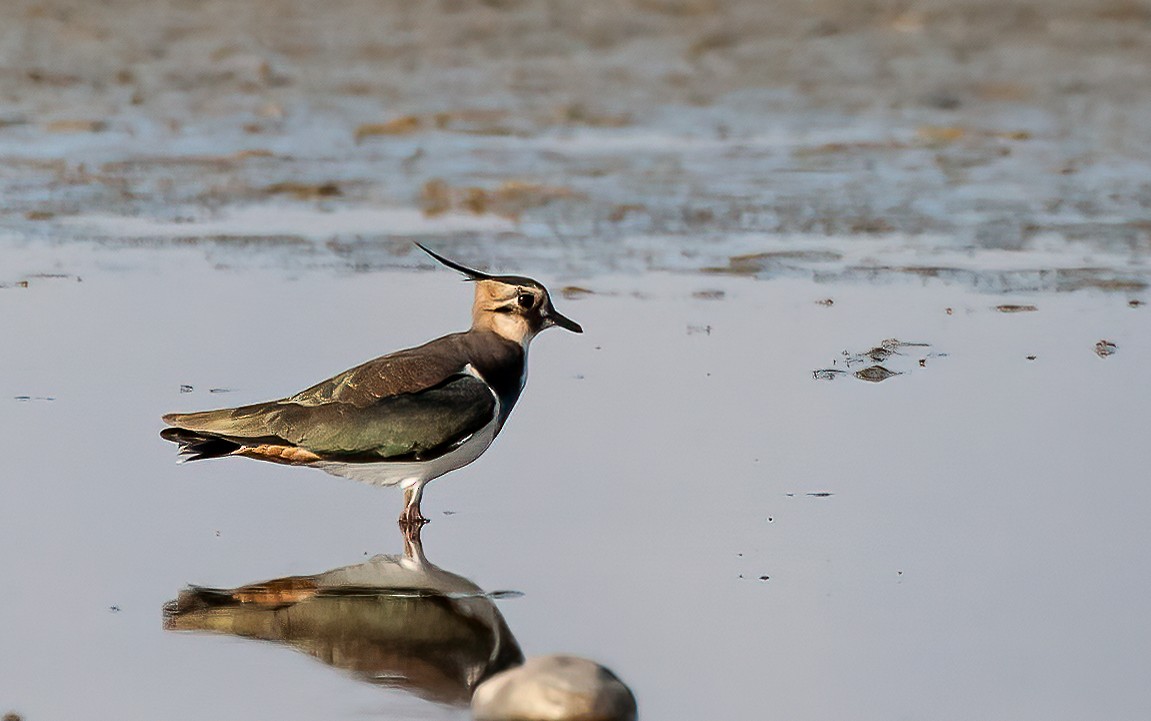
x=677, y=496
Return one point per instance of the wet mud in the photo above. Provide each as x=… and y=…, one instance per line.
x=1000, y=148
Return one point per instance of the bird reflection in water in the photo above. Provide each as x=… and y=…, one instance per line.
x=399, y=621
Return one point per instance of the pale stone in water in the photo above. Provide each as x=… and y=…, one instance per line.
x=554, y=688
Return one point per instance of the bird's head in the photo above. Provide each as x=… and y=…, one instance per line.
x=512, y=306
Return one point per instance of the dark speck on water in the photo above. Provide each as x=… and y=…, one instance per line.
x=186, y=388
x=1009, y=308
x=708, y=294
x=820, y=494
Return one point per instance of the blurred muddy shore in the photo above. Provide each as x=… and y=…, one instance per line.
x=1000, y=145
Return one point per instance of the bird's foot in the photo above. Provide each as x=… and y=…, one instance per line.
x=411, y=517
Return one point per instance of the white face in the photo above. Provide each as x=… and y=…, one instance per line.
x=515, y=311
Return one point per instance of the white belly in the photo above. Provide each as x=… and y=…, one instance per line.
x=408, y=473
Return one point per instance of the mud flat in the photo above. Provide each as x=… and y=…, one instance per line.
x=1001, y=146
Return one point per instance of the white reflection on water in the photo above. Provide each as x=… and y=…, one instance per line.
x=981, y=554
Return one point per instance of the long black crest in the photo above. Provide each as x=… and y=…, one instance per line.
x=471, y=274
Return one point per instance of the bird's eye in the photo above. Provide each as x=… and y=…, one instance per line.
x=526, y=300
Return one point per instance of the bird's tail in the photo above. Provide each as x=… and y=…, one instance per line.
x=197, y=446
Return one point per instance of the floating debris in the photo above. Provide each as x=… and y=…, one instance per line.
x=764, y=578
x=1016, y=308
x=875, y=374
x=1105, y=348
x=827, y=374
x=221, y=390
x=820, y=494
x=1135, y=303
x=889, y=352
x=885, y=350
x=699, y=329
x=185, y=388
x=1031, y=357
x=34, y=398
x=825, y=302
x=709, y=294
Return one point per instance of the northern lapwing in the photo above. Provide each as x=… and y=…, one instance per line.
x=396, y=620
x=400, y=419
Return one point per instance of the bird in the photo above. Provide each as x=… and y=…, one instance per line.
x=396, y=620
x=404, y=418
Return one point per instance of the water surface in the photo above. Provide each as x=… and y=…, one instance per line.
x=676, y=496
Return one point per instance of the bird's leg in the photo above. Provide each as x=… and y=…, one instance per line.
x=413, y=548
x=411, y=515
